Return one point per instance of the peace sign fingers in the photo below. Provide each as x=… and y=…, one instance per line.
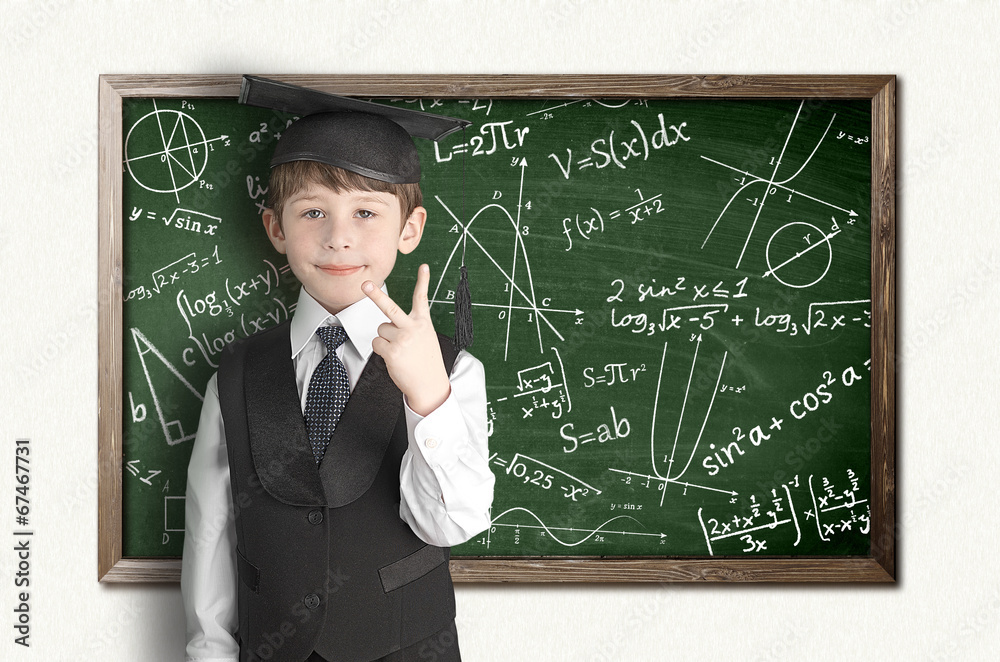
x=385, y=304
x=396, y=315
x=421, y=306
x=410, y=347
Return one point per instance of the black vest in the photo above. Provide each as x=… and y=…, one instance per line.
x=325, y=563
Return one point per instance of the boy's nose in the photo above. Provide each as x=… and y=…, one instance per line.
x=339, y=234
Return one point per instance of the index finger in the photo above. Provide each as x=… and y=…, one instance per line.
x=420, y=303
x=384, y=303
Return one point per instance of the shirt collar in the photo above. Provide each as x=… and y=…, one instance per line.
x=360, y=320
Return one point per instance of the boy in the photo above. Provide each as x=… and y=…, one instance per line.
x=341, y=453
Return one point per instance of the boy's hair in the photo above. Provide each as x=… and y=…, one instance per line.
x=287, y=179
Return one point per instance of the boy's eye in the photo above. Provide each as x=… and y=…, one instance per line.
x=364, y=213
x=312, y=213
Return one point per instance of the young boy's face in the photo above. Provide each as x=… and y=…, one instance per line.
x=337, y=241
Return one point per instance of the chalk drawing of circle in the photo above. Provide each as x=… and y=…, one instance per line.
x=798, y=265
x=172, y=151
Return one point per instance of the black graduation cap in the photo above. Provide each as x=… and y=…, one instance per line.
x=368, y=138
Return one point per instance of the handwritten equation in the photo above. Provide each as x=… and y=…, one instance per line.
x=604, y=152
x=169, y=274
x=547, y=389
x=640, y=211
x=819, y=507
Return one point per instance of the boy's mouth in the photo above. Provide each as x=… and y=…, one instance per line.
x=340, y=269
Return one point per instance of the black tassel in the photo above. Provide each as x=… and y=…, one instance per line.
x=463, y=312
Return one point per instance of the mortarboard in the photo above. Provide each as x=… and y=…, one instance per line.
x=370, y=139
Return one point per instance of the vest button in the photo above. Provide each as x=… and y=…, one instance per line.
x=315, y=516
x=311, y=601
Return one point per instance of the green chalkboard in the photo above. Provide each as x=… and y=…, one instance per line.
x=672, y=299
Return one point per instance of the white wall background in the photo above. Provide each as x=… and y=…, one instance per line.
x=946, y=604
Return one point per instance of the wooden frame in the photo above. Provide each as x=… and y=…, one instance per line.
x=879, y=566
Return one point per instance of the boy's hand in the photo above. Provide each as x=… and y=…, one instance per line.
x=409, y=345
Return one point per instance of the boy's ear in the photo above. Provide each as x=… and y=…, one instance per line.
x=412, y=230
x=273, y=228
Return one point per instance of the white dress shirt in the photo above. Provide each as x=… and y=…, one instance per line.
x=446, y=486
